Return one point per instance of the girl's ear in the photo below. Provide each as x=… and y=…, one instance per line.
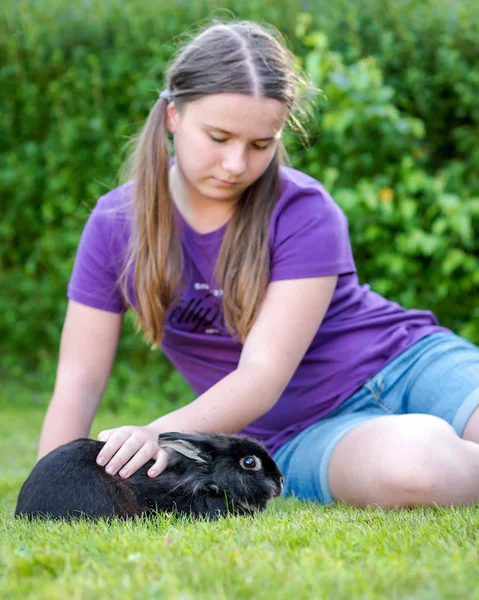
x=171, y=117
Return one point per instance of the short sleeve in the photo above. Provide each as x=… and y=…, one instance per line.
x=94, y=279
x=309, y=236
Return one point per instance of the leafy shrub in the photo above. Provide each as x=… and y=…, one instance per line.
x=412, y=218
x=393, y=136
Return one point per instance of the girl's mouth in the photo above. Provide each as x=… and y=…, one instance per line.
x=225, y=183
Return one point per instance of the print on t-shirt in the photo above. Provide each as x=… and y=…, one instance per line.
x=199, y=311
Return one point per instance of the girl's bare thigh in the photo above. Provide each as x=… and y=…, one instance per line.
x=404, y=460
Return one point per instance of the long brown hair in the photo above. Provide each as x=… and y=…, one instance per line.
x=235, y=57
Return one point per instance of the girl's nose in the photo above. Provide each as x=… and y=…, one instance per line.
x=234, y=161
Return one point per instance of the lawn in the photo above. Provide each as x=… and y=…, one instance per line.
x=293, y=550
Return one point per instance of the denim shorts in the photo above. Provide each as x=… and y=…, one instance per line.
x=438, y=375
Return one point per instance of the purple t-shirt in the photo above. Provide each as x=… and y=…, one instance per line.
x=308, y=237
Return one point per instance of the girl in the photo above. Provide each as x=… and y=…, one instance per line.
x=242, y=270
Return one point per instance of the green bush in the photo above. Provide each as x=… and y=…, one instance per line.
x=412, y=221
x=394, y=137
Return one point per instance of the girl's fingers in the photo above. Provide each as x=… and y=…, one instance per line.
x=129, y=448
x=105, y=435
x=127, y=451
x=115, y=441
x=160, y=463
x=147, y=452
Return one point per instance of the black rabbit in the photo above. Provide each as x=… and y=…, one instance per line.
x=207, y=475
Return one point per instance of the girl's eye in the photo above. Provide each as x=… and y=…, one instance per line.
x=219, y=140
x=251, y=463
x=223, y=140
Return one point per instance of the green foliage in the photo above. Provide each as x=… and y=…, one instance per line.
x=393, y=136
x=79, y=89
x=413, y=207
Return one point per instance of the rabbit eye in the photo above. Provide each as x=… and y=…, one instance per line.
x=251, y=463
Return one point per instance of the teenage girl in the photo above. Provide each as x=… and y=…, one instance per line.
x=241, y=269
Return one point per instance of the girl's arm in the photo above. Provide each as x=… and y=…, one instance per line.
x=87, y=350
x=288, y=320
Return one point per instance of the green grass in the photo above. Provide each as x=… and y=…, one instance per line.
x=293, y=550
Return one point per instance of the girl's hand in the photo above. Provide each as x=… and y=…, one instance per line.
x=129, y=448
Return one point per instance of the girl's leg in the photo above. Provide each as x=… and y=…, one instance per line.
x=417, y=457
x=471, y=431
x=404, y=460
x=397, y=441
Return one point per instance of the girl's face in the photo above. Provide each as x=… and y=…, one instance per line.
x=224, y=142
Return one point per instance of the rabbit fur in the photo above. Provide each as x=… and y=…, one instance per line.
x=207, y=475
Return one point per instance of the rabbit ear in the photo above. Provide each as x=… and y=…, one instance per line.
x=183, y=447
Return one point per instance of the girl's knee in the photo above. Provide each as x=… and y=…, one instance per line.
x=424, y=464
x=403, y=460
